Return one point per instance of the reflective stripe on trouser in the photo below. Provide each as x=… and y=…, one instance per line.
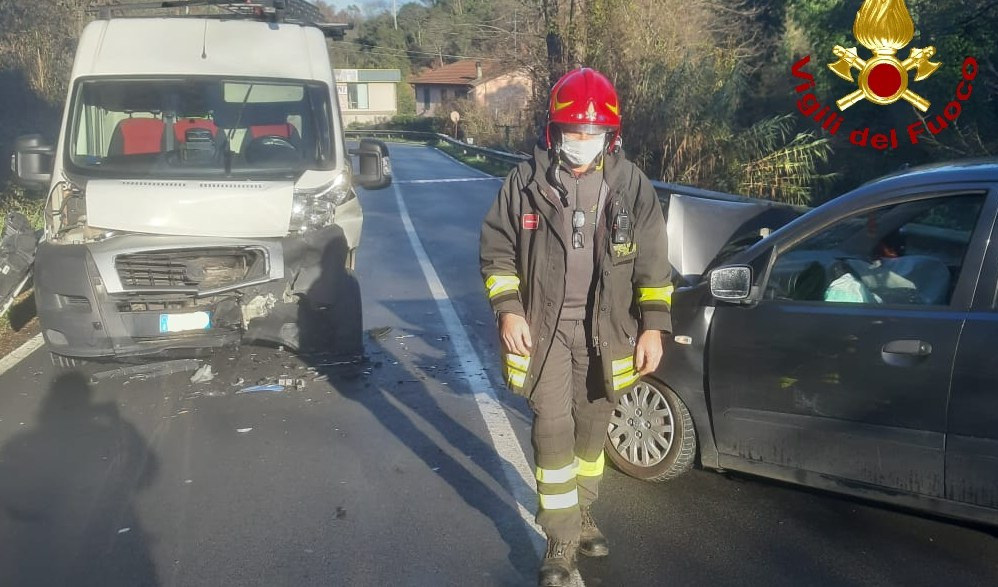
x=516, y=370
x=568, y=450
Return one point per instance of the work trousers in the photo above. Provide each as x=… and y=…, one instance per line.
x=571, y=414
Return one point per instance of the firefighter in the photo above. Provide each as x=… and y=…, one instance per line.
x=574, y=258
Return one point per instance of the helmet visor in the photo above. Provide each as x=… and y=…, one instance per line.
x=588, y=129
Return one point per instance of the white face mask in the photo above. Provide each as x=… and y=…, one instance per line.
x=580, y=153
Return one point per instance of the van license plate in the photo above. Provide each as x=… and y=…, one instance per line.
x=184, y=322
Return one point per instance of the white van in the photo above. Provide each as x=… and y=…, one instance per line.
x=201, y=192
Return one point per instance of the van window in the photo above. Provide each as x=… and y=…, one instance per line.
x=910, y=254
x=199, y=127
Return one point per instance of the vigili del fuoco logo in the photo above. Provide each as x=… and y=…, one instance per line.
x=884, y=28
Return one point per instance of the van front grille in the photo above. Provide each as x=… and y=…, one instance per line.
x=200, y=269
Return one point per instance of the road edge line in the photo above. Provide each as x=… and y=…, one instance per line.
x=20, y=353
x=511, y=456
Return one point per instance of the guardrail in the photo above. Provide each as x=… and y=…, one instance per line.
x=663, y=189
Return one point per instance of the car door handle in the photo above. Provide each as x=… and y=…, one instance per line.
x=909, y=347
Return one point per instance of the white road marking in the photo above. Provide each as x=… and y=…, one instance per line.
x=453, y=180
x=519, y=477
x=20, y=353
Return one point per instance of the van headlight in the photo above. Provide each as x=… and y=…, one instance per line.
x=316, y=208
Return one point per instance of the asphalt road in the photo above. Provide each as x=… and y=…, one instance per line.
x=389, y=474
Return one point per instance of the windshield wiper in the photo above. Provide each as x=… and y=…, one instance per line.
x=227, y=154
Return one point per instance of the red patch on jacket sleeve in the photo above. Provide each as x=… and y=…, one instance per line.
x=530, y=221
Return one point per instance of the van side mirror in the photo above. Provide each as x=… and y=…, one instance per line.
x=32, y=162
x=731, y=284
x=374, y=171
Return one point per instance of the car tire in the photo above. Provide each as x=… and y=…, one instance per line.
x=651, y=434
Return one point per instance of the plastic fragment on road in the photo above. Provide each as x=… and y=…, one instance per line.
x=297, y=383
x=203, y=375
x=148, y=370
x=379, y=333
x=243, y=430
x=123, y=530
x=262, y=388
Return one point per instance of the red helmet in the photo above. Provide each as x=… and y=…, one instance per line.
x=584, y=100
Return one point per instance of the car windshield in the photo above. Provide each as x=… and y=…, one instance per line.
x=199, y=127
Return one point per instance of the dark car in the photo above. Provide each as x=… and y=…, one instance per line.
x=851, y=350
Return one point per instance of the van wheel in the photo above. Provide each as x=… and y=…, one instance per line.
x=651, y=435
x=64, y=362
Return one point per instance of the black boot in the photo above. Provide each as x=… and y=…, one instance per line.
x=592, y=543
x=559, y=562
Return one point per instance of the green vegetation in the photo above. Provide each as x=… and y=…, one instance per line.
x=706, y=87
x=469, y=157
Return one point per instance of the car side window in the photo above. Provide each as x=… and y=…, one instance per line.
x=910, y=253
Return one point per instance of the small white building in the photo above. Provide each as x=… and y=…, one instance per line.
x=368, y=95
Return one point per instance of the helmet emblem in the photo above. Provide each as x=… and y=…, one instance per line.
x=591, y=113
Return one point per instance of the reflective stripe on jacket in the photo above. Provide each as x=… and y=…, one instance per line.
x=523, y=258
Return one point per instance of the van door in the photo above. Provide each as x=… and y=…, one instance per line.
x=843, y=367
x=972, y=431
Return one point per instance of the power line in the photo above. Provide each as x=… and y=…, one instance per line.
x=407, y=52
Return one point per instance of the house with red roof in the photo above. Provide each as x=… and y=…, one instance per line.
x=504, y=90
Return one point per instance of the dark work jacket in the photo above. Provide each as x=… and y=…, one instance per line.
x=523, y=259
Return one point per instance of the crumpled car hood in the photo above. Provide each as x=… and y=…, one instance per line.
x=698, y=228
x=222, y=208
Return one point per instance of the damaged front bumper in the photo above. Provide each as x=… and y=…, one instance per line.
x=131, y=295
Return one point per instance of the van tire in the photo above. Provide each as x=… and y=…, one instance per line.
x=629, y=454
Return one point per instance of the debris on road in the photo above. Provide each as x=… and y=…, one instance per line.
x=123, y=530
x=203, y=375
x=379, y=333
x=243, y=430
x=148, y=370
x=262, y=388
x=298, y=384
x=239, y=381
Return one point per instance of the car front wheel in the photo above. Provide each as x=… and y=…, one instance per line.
x=651, y=434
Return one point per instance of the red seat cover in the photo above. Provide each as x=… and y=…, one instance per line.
x=264, y=130
x=141, y=136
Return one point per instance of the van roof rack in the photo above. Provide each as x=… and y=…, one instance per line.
x=286, y=11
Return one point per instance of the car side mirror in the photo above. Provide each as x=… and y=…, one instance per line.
x=374, y=171
x=731, y=284
x=32, y=162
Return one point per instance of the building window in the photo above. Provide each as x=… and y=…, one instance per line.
x=357, y=97
x=426, y=98
x=443, y=95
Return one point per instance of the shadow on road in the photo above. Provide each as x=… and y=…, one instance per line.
x=394, y=404
x=67, y=495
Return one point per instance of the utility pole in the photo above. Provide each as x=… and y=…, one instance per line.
x=395, y=15
x=515, y=51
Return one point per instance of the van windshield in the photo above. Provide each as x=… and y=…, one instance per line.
x=199, y=127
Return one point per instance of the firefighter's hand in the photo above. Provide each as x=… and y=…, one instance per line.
x=515, y=334
x=648, y=351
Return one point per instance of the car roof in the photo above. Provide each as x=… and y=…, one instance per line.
x=985, y=169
